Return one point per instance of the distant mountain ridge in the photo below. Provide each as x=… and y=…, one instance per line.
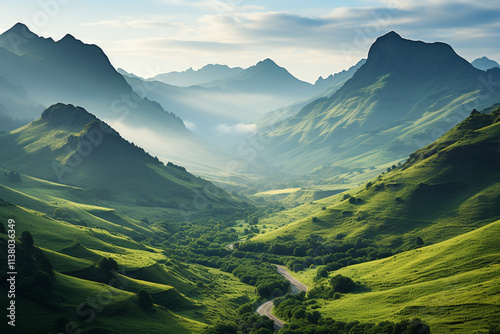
x=405, y=94
x=204, y=75
x=240, y=99
x=484, y=63
x=265, y=76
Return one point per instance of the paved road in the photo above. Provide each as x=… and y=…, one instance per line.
x=296, y=287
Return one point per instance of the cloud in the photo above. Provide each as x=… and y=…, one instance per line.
x=236, y=129
x=129, y=23
x=190, y=125
x=321, y=42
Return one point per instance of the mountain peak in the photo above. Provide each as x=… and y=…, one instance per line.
x=391, y=35
x=68, y=38
x=20, y=29
x=484, y=63
x=268, y=62
x=67, y=115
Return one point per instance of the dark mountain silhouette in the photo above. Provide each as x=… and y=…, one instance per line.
x=190, y=77
x=406, y=94
x=484, y=63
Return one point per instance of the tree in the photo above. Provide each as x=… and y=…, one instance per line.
x=342, y=284
x=27, y=239
x=14, y=177
x=322, y=273
x=398, y=200
x=2, y=229
x=419, y=241
x=145, y=300
x=315, y=219
x=353, y=200
x=369, y=184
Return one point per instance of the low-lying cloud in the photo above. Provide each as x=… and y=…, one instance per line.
x=236, y=129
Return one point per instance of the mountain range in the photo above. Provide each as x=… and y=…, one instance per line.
x=405, y=96
x=106, y=229
x=69, y=71
x=204, y=75
x=224, y=111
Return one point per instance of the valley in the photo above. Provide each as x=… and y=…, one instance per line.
x=243, y=200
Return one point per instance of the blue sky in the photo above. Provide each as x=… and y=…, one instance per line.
x=309, y=38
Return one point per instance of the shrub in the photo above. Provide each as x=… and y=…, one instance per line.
x=315, y=219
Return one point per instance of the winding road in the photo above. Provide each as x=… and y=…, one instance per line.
x=265, y=309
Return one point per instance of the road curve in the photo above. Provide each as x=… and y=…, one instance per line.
x=296, y=287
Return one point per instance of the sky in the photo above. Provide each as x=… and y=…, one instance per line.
x=309, y=38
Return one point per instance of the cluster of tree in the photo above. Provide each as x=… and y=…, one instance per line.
x=13, y=176
x=294, y=308
x=247, y=322
x=334, y=254
x=337, y=285
x=170, y=164
x=330, y=326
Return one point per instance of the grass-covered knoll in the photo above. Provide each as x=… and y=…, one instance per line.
x=68, y=145
x=445, y=189
x=452, y=285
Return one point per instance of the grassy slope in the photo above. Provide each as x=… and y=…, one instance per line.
x=74, y=250
x=453, y=285
x=447, y=188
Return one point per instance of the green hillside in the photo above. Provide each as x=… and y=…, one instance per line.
x=445, y=189
x=68, y=145
x=453, y=285
x=76, y=250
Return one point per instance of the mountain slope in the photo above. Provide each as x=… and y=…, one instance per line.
x=405, y=95
x=445, y=189
x=69, y=145
x=206, y=74
x=452, y=285
x=327, y=86
x=484, y=63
